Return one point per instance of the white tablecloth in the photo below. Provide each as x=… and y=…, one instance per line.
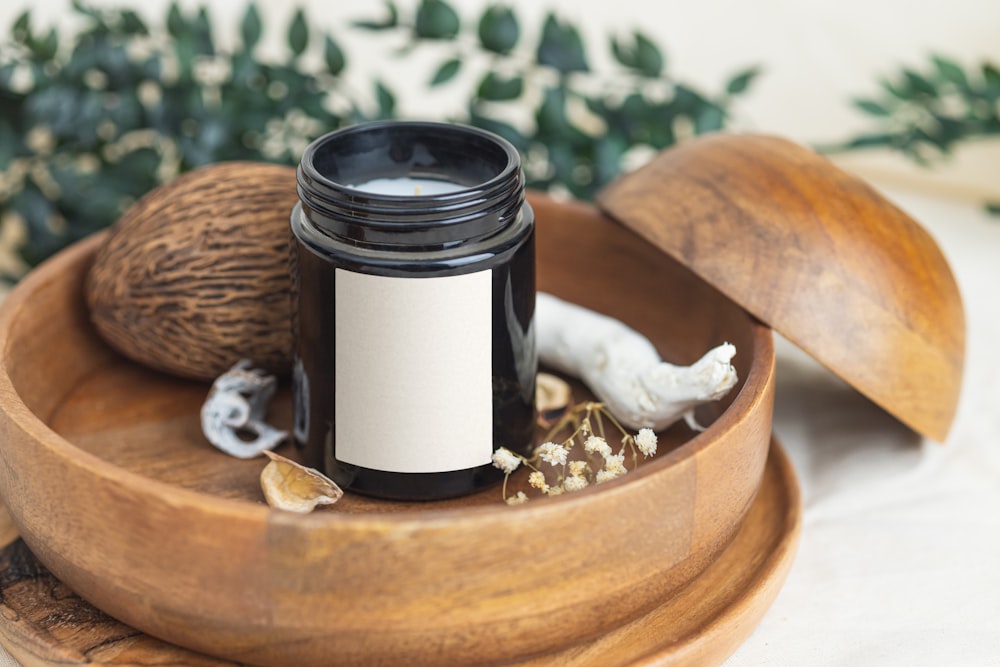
x=899, y=561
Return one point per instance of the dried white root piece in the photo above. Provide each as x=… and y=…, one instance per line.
x=290, y=486
x=623, y=368
x=232, y=417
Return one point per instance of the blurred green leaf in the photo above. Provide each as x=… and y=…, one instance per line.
x=201, y=33
x=333, y=56
x=8, y=143
x=741, y=82
x=390, y=21
x=176, y=25
x=21, y=30
x=710, y=119
x=872, y=140
x=298, y=33
x=385, y=99
x=648, y=56
x=446, y=71
x=436, y=20
x=561, y=46
x=45, y=48
x=86, y=10
x=918, y=84
x=496, y=88
x=641, y=54
x=132, y=23
x=871, y=107
x=991, y=79
x=498, y=29
x=948, y=70
x=551, y=117
x=501, y=128
x=251, y=27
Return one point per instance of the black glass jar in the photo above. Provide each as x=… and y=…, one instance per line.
x=413, y=297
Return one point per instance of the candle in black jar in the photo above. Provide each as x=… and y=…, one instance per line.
x=413, y=288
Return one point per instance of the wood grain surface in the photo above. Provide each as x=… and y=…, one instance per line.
x=816, y=253
x=110, y=483
x=44, y=624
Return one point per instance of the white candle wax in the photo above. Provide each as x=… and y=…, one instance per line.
x=408, y=187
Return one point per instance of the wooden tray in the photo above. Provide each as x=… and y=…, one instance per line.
x=43, y=623
x=110, y=483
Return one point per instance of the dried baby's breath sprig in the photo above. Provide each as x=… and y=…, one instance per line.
x=552, y=453
x=645, y=440
x=575, y=483
x=587, y=425
x=519, y=499
x=506, y=460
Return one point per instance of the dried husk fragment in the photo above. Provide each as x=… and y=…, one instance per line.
x=553, y=398
x=290, y=486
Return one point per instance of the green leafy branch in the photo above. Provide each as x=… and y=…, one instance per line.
x=89, y=124
x=93, y=119
x=924, y=114
x=575, y=125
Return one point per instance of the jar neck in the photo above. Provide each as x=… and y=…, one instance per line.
x=484, y=168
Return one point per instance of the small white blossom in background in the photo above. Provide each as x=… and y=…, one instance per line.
x=519, y=499
x=506, y=460
x=552, y=453
x=537, y=480
x=615, y=463
x=597, y=445
x=645, y=440
x=586, y=424
x=607, y=475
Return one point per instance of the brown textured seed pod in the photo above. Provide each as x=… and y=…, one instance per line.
x=194, y=276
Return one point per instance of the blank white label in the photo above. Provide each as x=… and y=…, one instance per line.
x=414, y=368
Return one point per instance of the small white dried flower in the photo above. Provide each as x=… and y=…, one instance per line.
x=608, y=475
x=615, y=463
x=585, y=427
x=597, y=445
x=555, y=490
x=519, y=499
x=552, y=453
x=537, y=480
x=575, y=483
x=645, y=440
x=506, y=460
x=577, y=468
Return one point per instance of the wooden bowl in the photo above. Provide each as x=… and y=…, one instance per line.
x=109, y=482
x=816, y=253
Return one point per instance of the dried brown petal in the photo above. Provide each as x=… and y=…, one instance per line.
x=290, y=486
x=552, y=398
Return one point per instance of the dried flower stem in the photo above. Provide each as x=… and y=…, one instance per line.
x=585, y=424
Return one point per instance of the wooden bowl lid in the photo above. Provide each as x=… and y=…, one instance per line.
x=818, y=255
